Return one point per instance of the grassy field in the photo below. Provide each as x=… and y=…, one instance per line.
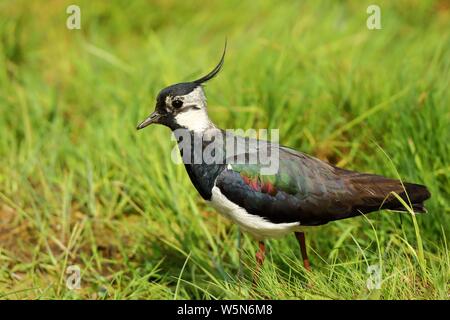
x=80, y=186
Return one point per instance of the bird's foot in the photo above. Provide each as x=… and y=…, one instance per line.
x=259, y=258
x=306, y=264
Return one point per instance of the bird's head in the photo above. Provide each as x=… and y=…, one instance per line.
x=183, y=105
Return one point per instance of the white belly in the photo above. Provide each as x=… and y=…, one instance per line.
x=257, y=226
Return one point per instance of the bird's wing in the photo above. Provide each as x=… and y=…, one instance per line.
x=304, y=189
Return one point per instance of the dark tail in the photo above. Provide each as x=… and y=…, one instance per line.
x=414, y=194
x=374, y=192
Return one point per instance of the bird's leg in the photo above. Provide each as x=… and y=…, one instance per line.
x=260, y=255
x=301, y=240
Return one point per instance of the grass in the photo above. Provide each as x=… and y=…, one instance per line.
x=79, y=186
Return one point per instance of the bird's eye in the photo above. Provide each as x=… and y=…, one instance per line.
x=177, y=104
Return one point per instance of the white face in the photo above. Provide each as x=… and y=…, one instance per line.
x=192, y=115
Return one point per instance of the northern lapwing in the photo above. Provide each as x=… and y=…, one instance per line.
x=303, y=192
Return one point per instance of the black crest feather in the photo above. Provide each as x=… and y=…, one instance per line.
x=215, y=71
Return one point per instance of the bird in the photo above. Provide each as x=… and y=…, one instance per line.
x=303, y=192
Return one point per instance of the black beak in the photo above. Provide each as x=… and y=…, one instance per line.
x=153, y=118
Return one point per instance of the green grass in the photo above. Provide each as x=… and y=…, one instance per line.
x=80, y=186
